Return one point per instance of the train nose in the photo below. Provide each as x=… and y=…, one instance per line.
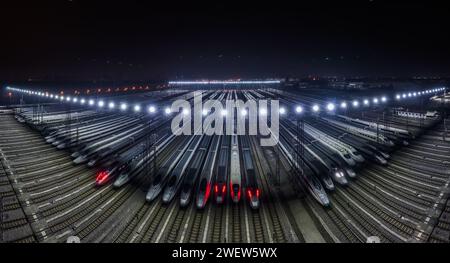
x=79, y=160
x=200, y=202
x=350, y=173
x=123, y=178
x=92, y=163
x=167, y=196
x=184, y=200
x=61, y=146
x=151, y=195
x=254, y=203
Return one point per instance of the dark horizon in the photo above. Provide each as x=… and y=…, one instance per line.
x=132, y=40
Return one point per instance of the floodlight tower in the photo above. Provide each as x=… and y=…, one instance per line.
x=150, y=150
x=300, y=136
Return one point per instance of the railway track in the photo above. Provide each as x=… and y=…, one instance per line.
x=236, y=232
x=217, y=233
x=270, y=211
x=392, y=202
x=197, y=227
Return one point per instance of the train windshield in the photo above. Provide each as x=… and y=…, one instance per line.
x=157, y=179
x=172, y=181
x=202, y=184
x=235, y=188
x=186, y=188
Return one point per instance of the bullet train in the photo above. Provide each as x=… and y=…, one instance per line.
x=349, y=154
x=310, y=182
x=363, y=146
x=252, y=191
x=107, y=174
x=193, y=171
x=306, y=155
x=220, y=182
x=235, y=171
x=160, y=179
x=363, y=133
x=175, y=178
x=123, y=163
x=206, y=176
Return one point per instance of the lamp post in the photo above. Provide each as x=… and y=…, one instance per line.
x=299, y=131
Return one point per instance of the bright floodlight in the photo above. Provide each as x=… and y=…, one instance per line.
x=91, y=102
x=123, y=106
x=330, y=106
x=46, y=95
x=111, y=105
x=223, y=112
x=244, y=112
x=74, y=99
x=263, y=111
x=344, y=105
x=101, y=103
x=383, y=99
x=398, y=96
x=315, y=108
x=62, y=97
x=299, y=109
x=82, y=101
x=51, y=96
x=404, y=95
x=68, y=98
x=185, y=112
x=56, y=96
x=282, y=110
x=375, y=100
x=137, y=108
x=151, y=109
x=355, y=103
x=167, y=110
x=366, y=102
x=222, y=82
x=414, y=94
x=409, y=94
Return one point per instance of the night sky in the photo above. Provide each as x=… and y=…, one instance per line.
x=137, y=40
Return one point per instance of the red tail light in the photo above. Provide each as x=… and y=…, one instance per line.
x=216, y=188
x=208, y=190
x=101, y=176
x=224, y=188
x=257, y=193
x=249, y=192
